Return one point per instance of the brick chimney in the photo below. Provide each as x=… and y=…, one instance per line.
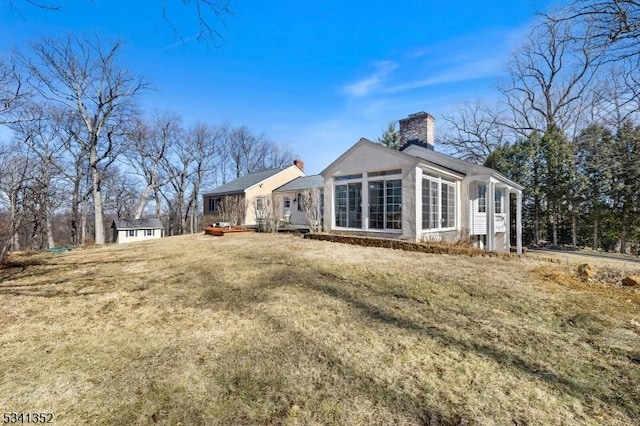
x=417, y=129
x=299, y=164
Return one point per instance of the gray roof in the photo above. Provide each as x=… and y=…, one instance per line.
x=301, y=183
x=243, y=182
x=151, y=223
x=431, y=157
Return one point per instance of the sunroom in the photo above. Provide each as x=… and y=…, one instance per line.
x=418, y=195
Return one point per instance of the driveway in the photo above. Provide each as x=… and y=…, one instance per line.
x=586, y=257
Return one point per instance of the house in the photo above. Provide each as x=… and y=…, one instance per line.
x=130, y=230
x=249, y=198
x=297, y=197
x=418, y=194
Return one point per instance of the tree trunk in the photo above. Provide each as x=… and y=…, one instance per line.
x=554, y=227
x=595, y=244
x=97, y=198
x=574, y=229
x=144, y=199
x=83, y=224
x=49, y=230
x=623, y=229
x=536, y=219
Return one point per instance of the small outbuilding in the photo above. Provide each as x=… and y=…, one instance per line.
x=131, y=230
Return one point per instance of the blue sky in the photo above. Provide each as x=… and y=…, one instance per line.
x=315, y=76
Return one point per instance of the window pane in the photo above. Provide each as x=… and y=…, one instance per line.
x=354, y=218
x=498, y=198
x=376, y=205
x=341, y=205
x=482, y=199
x=448, y=205
x=394, y=204
x=426, y=205
x=433, y=219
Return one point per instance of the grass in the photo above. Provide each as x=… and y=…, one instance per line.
x=274, y=329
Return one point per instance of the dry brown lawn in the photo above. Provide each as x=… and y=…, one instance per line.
x=274, y=329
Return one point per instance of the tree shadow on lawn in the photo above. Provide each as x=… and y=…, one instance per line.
x=266, y=370
x=316, y=279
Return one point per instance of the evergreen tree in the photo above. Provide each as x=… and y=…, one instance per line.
x=522, y=162
x=558, y=178
x=626, y=182
x=390, y=136
x=593, y=161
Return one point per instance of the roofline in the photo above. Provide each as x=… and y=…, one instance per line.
x=418, y=160
x=275, y=174
x=212, y=194
x=365, y=141
x=278, y=189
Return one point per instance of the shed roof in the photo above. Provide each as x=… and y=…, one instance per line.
x=301, y=183
x=243, y=182
x=150, y=223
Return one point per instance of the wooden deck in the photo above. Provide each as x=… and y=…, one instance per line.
x=222, y=231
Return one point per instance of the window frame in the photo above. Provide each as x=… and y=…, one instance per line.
x=433, y=213
x=481, y=197
x=499, y=201
x=349, y=207
x=385, y=202
x=342, y=220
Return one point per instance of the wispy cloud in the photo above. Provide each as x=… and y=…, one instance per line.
x=366, y=85
x=181, y=42
x=462, y=72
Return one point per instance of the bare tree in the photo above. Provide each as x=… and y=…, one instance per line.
x=147, y=154
x=121, y=193
x=40, y=130
x=12, y=90
x=547, y=78
x=616, y=96
x=205, y=141
x=210, y=15
x=610, y=24
x=15, y=179
x=267, y=211
x=475, y=131
x=311, y=200
x=232, y=209
x=83, y=77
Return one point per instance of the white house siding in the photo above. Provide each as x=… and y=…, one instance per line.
x=413, y=163
x=363, y=160
x=296, y=217
x=124, y=238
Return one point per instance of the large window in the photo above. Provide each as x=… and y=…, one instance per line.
x=498, y=198
x=438, y=203
x=394, y=204
x=349, y=205
x=448, y=205
x=482, y=198
x=385, y=204
x=376, y=205
x=354, y=219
